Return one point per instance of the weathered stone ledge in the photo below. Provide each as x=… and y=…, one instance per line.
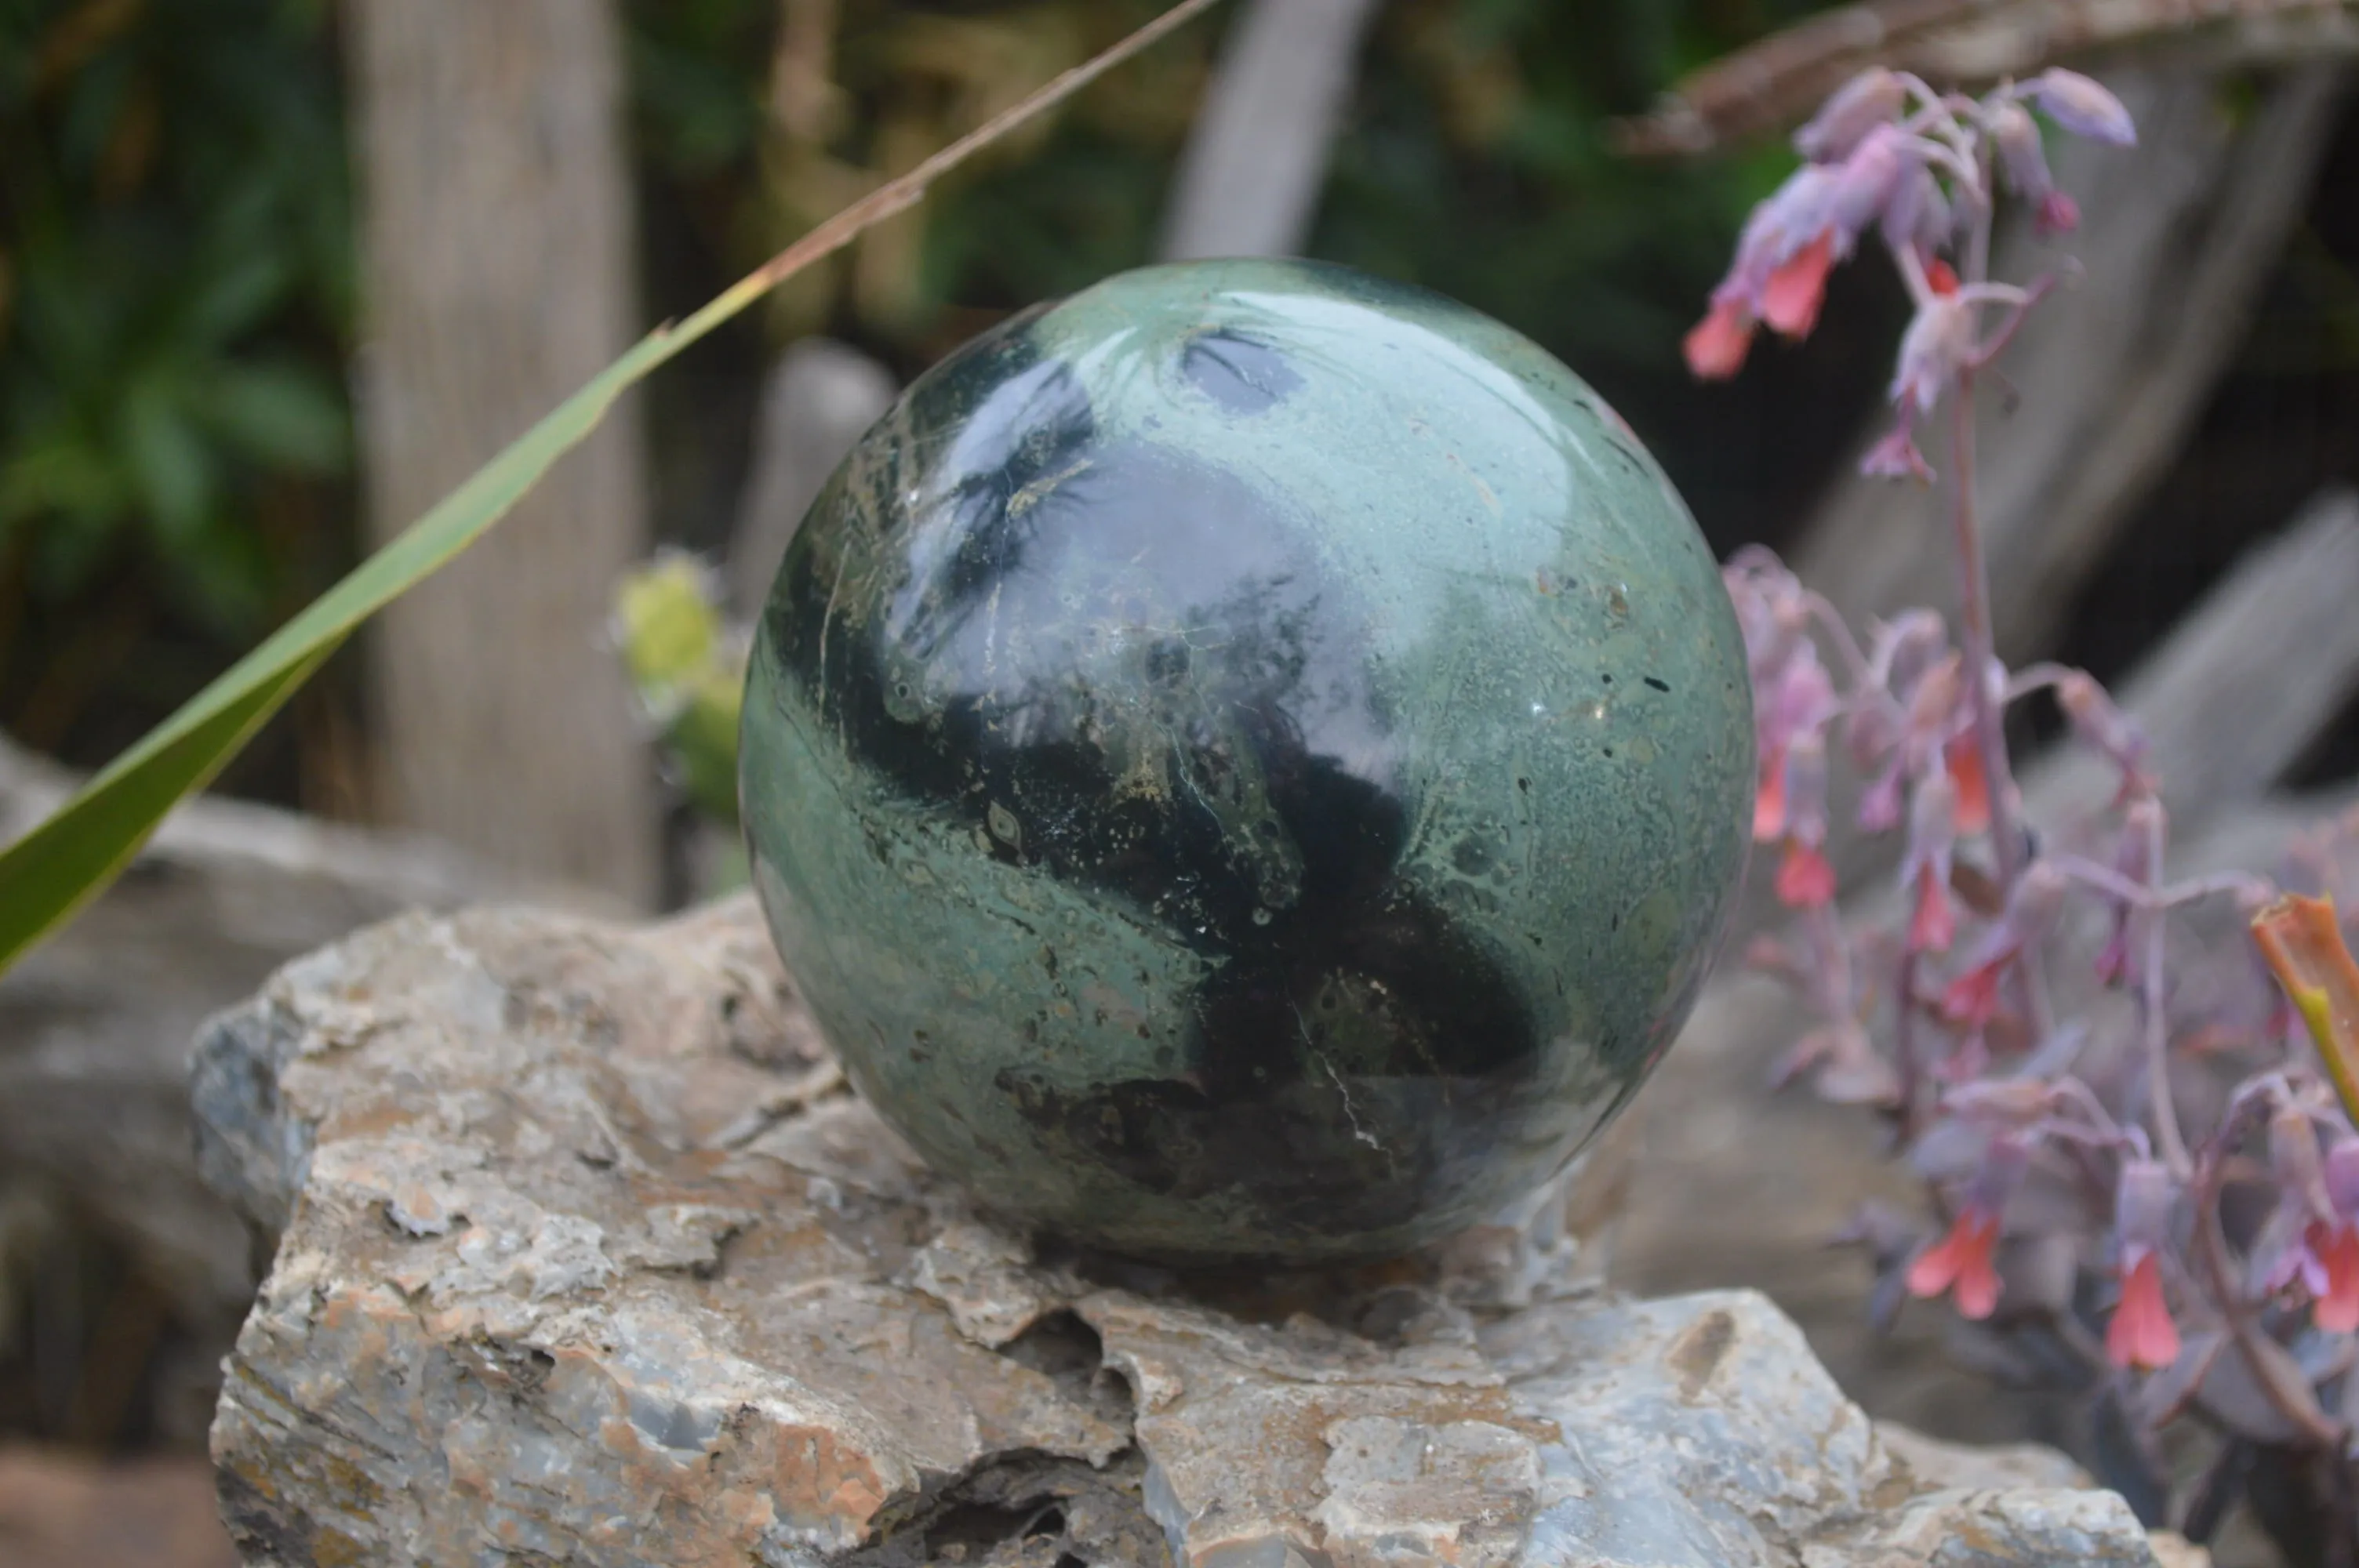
x=586, y=1256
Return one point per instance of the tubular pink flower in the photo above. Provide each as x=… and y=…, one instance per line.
x=1716, y=346
x=2031, y=917
x=1932, y=835
x=1793, y=239
x=2141, y=1333
x=1794, y=289
x=1960, y=1264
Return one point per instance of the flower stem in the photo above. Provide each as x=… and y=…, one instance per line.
x=2158, y=1027
x=1981, y=654
x=2299, y=1410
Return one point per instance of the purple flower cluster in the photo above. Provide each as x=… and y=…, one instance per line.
x=1890, y=156
x=2124, y=1138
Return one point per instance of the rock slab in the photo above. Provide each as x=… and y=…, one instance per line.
x=586, y=1256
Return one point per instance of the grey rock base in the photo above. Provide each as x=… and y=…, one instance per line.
x=585, y=1256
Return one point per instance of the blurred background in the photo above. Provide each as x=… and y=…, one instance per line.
x=276, y=274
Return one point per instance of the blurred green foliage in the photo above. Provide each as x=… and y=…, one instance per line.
x=177, y=267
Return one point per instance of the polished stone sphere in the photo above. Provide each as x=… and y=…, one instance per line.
x=1248, y=762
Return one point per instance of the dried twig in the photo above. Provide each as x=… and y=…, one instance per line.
x=1770, y=85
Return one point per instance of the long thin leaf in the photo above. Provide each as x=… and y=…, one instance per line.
x=51, y=872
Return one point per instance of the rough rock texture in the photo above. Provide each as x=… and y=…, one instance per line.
x=587, y=1257
x=94, y=1030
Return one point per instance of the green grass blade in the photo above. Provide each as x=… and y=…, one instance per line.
x=52, y=872
x=61, y=865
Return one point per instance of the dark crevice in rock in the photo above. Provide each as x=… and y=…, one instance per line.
x=1068, y=1351
x=1027, y=1510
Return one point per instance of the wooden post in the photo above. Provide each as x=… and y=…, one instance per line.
x=499, y=277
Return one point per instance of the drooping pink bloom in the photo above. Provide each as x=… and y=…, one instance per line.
x=2031, y=916
x=2313, y=1239
x=1965, y=760
x=1794, y=701
x=1769, y=798
x=2141, y=1333
x=1793, y=239
x=1794, y=289
x=2334, y=1273
x=1925, y=873
x=2334, y=1244
x=1716, y=346
x=2023, y=157
x=1960, y=1264
x=1805, y=878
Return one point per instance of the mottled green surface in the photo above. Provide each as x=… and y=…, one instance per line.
x=1248, y=761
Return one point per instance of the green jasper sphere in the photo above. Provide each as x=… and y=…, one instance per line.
x=1248, y=762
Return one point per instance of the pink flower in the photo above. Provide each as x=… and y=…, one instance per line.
x=1797, y=287
x=2032, y=911
x=1964, y=761
x=1792, y=240
x=1716, y=346
x=2334, y=1244
x=1794, y=699
x=1805, y=877
x=2314, y=1237
x=1925, y=873
x=2141, y=1333
x=2332, y=1273
x=1769, y=798
x=1873, y=98
x=2024, y=157
x=2081, y=106
x=1793, y=807
x=1961, y=1262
